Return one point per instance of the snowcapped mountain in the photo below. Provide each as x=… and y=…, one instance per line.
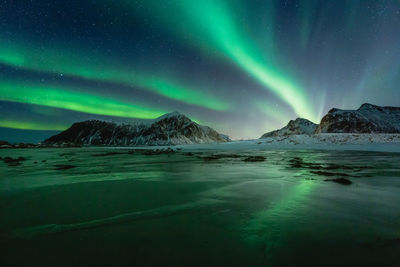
x=298, y=126
x=170, y=129
x=367, y=119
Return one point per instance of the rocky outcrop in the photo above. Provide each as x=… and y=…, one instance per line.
x=367, y=119
x=170, y=129
x=298, y=126
x=5, y=144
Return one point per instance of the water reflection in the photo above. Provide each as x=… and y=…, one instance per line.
x=212, y=206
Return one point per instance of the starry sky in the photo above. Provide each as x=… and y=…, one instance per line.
x=243, y=67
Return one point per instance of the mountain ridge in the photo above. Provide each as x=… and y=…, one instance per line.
x=368, y=118
x=169, y=129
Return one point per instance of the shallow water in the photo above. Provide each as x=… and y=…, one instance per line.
x=192, y=210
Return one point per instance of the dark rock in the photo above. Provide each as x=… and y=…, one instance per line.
x=13, y=161
x=67, y=154
x=108, y=154
x=157, y=151
x=324, y=173
x=25, y=145
x=300, y=163
x=234, y=156
x=342, y=181
x=5, y=144
x=297, y=163
x=219, y=156
x=255, y=159
x=63, y=166
x=211, y=157
x=337, y=166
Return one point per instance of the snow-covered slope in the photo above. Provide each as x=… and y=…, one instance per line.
x=169, y=129
x=344, y=141
x=298, y=126
x=334, y=139
x=367, y=119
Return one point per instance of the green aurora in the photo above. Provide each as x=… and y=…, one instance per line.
x=28, y=125
x=213, y=27
x=100, y=69
x=220, y=33
x=83, y=102
x=241, y=67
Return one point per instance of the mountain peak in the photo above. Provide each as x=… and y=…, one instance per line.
x=174, y=114
x=297, y=126
x=302, y=121
x=368, y=106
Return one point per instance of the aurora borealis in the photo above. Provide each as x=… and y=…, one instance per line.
x=241, y=67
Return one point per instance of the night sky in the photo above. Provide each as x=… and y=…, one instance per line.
x=243, y=67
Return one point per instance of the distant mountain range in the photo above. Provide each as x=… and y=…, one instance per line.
x=367, y=119
x=169, y=129
x=175, y=128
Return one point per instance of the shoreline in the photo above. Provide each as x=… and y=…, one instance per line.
x=337, y=141
x=345, y=142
